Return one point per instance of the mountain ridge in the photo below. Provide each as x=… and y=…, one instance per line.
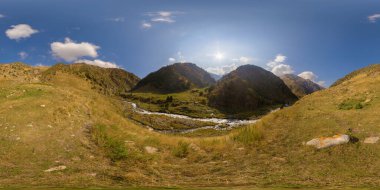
x=175, y=78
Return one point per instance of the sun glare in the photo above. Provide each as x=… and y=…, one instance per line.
x=219, y=56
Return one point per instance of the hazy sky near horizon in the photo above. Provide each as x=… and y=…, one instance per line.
x=318, y=39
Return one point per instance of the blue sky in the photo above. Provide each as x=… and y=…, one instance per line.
x=322, y=39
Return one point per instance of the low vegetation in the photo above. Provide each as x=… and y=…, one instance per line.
x=113, y=146
x=191, y=103
x=249, y=135
x=67, y=123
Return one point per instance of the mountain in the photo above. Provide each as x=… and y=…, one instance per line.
x=300, y=86
x=216, y=76
x=248, y=88
x=109, y=81
x=175, y=78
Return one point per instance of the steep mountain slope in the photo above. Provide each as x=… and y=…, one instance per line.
x=109, y=81
x=350, y=107
x=300, y=86
x=248, y=88
x=175, y=78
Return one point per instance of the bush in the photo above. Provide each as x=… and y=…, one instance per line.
x=350, y=104
x=249, y=135
x=181, y=150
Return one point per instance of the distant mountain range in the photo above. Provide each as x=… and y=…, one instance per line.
x=248, y=88
x=300, y=86
x=175, y=78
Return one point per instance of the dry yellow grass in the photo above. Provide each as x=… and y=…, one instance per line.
x=45, y=125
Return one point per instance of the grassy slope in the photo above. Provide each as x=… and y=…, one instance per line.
x=321, y=114
x=192, y=103
x=90, y=135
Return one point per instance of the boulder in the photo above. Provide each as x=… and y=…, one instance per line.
x=324, y=142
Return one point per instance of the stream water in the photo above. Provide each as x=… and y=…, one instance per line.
x=220, y=124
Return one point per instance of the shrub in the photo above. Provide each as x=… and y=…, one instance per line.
x=181, y=150
x=249, y=135
x=350, y=104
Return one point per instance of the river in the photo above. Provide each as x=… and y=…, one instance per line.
x=220, y=124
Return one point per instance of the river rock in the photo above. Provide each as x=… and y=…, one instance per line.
x=324, y=142
x=371, y=140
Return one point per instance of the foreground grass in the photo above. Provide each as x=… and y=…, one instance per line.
x=66, y=123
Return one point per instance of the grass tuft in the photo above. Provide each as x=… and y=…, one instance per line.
x=181, y=150
x=249, y=135
x=114, y=147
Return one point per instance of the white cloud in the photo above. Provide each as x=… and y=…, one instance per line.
x=282, y=69
x=146, y=25
x=278, y=67
x=19, y=31
x=280, y=58
x=98, y=62
x=163, y=19
x=171, y=59
x=160, y=17
x=374, y=17
x=165, y=13
x=71, y=51
x=308, y=75
x=222, y=70
x=322, y=83
x=117, y=19
x=311, y=76
x=23, y=55
x=2, y=16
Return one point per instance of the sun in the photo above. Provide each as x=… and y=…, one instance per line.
x=219, y=56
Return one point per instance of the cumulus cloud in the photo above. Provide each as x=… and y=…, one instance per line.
x=311, y=76
x=71, y=51
x=278, y=67
x=308, y=75
x=282, y=69
x=374, y=17
x=98, y=62
x=23, y=55
x=19, y=31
